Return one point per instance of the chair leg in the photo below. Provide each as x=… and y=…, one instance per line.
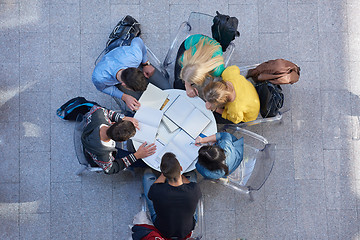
x=251, y=196
x=81, y=170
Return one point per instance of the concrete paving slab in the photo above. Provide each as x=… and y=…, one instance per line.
x=47, y=54
x=35, y=226
x=35, y=182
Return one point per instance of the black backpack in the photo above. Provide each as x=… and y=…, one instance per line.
x=122, y=35
x=271, y=98
x=73, y=107
x=224, y=29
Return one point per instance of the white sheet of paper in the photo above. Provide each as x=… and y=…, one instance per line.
x=179, y=110
x=170, y=125
x=149, y=120
x=195, y=123
x=163, y=134
x=153, y=97
x=155, y=159
x=181, y=146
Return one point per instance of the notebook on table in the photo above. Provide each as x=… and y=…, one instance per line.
x=185, y=115
x=149, y=120
x=153, y=97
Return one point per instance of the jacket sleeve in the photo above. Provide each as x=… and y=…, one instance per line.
x=138, y=42
x=104, y=81
x=112, y=115
x=121, y=163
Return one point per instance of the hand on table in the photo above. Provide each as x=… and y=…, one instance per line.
x=133, y=120
x=145, y=150
x=148, y=71
x=131, y=102
x=198, y=141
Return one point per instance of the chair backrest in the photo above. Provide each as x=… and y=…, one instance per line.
x=286, y=107
x=78, y=129
x=197, y=23
x=256, y=166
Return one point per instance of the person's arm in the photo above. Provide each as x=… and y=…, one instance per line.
x=112, y=115
x=104, y=82
x=210, y=139
x=161, y=179
x=131, y=102
x=133, y=120
x=219, y=110
x=145, y=150
x=139, y=43
x=185, y=180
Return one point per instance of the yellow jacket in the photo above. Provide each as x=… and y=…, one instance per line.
x=246, y=105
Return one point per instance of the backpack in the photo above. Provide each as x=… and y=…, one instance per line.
x=271, y=98
x=73, y=107
x=224, y=29
x=122, y=35
x=278, y=71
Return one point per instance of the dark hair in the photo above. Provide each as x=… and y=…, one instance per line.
x=213, y=157
x=134, y=79
x=121, y=131
x=170, y=166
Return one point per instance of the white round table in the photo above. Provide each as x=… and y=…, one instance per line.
x=200, y=105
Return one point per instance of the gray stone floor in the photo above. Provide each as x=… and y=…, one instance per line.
x=47, y=52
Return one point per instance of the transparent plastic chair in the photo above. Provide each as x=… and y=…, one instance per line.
x=197, y=23
x=256, y=166
x=79, y=150
x=286, y=107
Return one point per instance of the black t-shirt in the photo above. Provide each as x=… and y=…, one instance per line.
x=175, y=208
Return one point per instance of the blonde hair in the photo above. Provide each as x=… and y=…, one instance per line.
x=198, y=66
x=217, y=93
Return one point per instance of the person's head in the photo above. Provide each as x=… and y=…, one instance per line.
x=134, y=79
x=170, y=167
x=121, y=131
x=198, y=66
x=212, y=157
x=216, y=94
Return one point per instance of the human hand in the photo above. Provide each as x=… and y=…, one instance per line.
x=198, y=141
x=191, y=91
x=148, y=71
x=133, y=120
x=145, y=150
x=131, y=102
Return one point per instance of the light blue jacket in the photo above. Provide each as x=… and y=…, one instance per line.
x=234, y=149
x=104, y=75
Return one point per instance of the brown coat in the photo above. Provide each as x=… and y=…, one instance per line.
x=278, y=71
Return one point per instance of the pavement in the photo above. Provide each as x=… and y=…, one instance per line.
x=48, y=49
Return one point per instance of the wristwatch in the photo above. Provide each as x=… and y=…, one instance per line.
x=147, y=63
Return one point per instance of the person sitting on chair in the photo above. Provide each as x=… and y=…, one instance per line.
x=102, y=130
x=172, y=199
x=233, y=99
x=118, y=75
x=198, y=57
x=221, y=159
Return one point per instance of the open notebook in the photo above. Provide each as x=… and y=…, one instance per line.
x=187, y=116
x=149, y=120
x=153, y=97
x=182, y=145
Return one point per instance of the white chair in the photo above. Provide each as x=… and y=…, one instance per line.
x=256, y=166
x=79, y=150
